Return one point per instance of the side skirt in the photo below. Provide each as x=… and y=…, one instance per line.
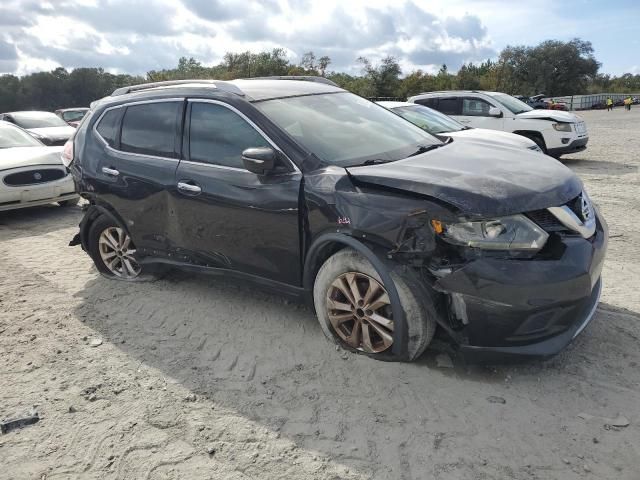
x=298, y=294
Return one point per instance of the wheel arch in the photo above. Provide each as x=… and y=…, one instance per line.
x=92, y=214
x=531, y=133
x=329, y=243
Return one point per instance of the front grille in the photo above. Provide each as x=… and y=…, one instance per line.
x=58, y=143
x=34, y=177
x=576, y=206
x=547, y=221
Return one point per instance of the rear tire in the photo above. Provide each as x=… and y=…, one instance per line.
x=344, y=318
x=113, y=252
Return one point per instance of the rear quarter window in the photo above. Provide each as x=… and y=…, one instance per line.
x=109, y=125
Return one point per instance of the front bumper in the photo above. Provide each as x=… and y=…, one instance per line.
x=577, y=145
x=525, y=308
x=12, y=198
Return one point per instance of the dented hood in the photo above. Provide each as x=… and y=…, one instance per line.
x=557, y=115
x=478, y=180
x=491, y=137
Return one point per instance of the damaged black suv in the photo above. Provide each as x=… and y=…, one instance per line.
x=315, y=192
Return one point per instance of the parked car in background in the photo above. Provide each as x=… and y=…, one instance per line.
x=556, y=133
x=45, y=126
x=72, y=115
x=441, y=125
x=537, y=102
x=310, y=190
x=557, y=106
x=30, y=172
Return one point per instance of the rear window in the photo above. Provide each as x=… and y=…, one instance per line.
x=109, y=125
x=37, y=120
x=73, y=115
x=150, y=129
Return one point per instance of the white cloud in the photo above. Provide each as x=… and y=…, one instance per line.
x=136, y=36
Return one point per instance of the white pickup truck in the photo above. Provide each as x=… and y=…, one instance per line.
x=556, y=132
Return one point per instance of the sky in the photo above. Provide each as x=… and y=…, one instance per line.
x=135, y=36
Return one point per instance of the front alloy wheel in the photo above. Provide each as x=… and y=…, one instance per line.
x=354, y=309
x=117, y=253
x=360, y=312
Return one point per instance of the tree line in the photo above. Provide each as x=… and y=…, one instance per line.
x=553, y=68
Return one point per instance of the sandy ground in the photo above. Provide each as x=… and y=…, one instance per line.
x=199, y=378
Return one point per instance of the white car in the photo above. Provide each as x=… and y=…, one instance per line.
x=439, y=124
x=556, y=132
x=47, y=127
x=31, y=173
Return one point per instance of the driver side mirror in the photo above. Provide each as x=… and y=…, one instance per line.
x=495, y=112
x=260, y=160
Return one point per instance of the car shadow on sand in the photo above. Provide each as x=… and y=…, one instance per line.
x=267, y=359
x=26, y=222
x=599, y=167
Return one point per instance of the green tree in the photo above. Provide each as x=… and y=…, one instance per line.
x=384, y=77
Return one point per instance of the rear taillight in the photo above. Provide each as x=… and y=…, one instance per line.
x=67, y=153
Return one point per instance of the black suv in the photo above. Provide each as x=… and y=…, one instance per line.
x=312, y=191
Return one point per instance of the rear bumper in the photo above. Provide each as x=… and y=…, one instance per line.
x=504, y=309
x=577, y=145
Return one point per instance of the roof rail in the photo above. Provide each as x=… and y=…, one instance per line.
x=308, y=78
x=222, y=85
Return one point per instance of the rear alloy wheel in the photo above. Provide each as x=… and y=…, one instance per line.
x=113, y=252
x=355, y=311
x=360, y=312
x=117, y=253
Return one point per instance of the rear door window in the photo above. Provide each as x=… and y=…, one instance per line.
x=151, y=129
x=449, y=106
x=218, y=135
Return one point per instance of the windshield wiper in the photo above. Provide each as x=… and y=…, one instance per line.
x=424, y=149
x=374, y=161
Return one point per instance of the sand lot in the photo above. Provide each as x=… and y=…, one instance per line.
x=199, y=378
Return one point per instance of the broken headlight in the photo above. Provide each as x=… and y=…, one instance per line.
x=515, y=232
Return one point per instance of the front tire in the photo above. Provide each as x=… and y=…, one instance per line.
x=538, y=140
x=113, y=252
x=354, y=309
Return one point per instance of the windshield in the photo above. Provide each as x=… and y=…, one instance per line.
x=346, y=130
x=73, y=115
x=37, y=120
x=428, y=119
x=11, y=136
x=513, y=104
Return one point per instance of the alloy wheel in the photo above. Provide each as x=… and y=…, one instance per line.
x=360, y=312
x=117, y=253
